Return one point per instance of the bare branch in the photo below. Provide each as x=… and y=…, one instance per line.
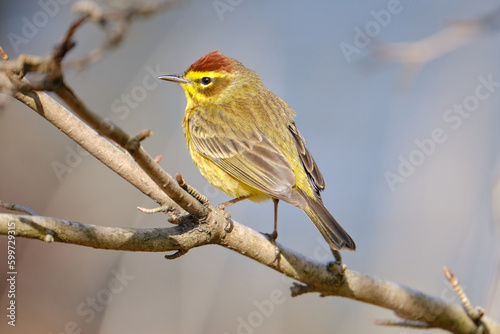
x=133, y=146
x=454, y=36
x=110, y=155
x=53, y=80
x=414, y=55
x=115, y=23
x=413, y=306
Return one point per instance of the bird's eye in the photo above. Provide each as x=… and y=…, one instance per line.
x=206, y=80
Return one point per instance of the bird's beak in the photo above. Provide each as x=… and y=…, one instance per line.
x=174, y=78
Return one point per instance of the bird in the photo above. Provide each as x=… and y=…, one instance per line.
x=244, y=141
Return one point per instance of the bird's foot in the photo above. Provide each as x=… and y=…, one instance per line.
x=272, y=238
x=224, y=205
x=221, y=206
x=229, y=221
x=336, y=266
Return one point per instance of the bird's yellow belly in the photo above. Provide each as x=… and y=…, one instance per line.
x=222, y=180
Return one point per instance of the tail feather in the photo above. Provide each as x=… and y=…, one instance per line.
x=333, y=233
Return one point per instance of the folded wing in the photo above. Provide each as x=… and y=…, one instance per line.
x=249, y=156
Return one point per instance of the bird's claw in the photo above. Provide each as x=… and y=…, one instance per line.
x=272, y=238
x=221, y=206
x=229, y=221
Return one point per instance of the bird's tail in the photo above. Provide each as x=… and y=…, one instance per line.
x=333, y=233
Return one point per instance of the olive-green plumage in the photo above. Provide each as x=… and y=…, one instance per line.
x=244, y=141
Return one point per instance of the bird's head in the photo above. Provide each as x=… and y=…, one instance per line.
x=211, y=77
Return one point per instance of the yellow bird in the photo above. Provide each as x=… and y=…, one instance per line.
x=244, y=141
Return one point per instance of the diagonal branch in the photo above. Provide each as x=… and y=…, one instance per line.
x=144, y=160
x=98, y=146
x=414, y=55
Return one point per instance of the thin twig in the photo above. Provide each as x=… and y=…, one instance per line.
x=154, y=210
x=474, y=313
x=402, y=323
x=67, y=43
x=193, y=192
x=17, y=207
x=115, y=23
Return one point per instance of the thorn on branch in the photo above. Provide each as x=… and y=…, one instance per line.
x=175, y=255
x=131, y=144
x=157, y=159
x=17, y=207
x=4, y=56
x=143, y=135
x=474, y=313
x=190, y=190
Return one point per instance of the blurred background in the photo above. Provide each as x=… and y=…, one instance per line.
x=410, y=155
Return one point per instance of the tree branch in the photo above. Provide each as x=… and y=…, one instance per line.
x=414, y=55
x=411, y=305
x=110, y=155
x=133, y=146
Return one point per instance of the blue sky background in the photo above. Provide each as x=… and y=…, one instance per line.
x=358, y=118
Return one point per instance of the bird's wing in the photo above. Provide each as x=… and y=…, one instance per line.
x=249, y=156
x=307, y=159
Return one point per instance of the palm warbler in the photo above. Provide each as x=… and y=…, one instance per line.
x=244, y=141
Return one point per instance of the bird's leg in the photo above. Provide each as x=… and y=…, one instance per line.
x=224, y=205
x=273, y=236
